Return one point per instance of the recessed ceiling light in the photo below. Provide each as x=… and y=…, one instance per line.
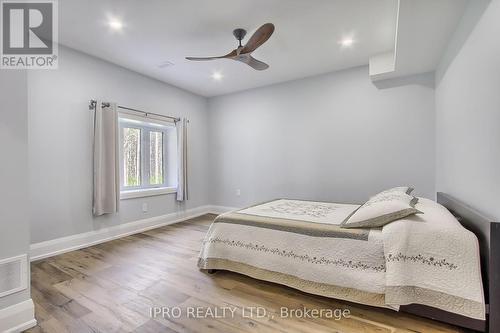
x=217, y=76
x=115, y=24
x=347, y=42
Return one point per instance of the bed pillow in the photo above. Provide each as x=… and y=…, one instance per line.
x=399, y=189
x=381, y=209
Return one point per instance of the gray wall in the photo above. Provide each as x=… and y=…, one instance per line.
x=14, y=223
x=332, y=137
x=60, y=146
x=468, y=111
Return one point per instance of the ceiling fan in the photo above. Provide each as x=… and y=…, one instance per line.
x=243, y=53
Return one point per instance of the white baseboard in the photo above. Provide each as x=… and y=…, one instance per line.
x=221, y=209
x=74, y=242
x=17, y=317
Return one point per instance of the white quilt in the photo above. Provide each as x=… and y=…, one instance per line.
x=424, y=259
x=432, y=260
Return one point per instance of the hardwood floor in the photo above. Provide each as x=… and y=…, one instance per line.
x=111, y=287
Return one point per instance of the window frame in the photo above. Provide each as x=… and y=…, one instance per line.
x=145, y=126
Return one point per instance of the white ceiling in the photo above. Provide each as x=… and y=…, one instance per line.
x=425, y=28
x=304, y=43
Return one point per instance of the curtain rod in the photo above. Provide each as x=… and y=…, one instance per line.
x=93, y=103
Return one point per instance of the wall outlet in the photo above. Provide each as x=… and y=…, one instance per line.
x=238, y=192
x=145, y=207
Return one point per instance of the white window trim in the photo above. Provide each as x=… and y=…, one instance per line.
x=149, y=190
x=146, y=192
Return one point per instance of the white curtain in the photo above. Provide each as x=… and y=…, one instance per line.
x=182, y=173
x=106, y=160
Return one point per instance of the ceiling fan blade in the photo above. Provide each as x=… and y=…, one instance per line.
x=202, y=58
x=231, y=54
x=254, y=63
x=258, y=38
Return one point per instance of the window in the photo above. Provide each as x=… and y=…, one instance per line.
x=146, y=163
x=131, y=157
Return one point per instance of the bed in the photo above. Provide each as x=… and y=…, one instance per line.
x=426, y=264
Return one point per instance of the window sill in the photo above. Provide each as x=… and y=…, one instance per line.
x=147, y=192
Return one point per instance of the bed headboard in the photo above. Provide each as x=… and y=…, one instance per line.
x=488, y=233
